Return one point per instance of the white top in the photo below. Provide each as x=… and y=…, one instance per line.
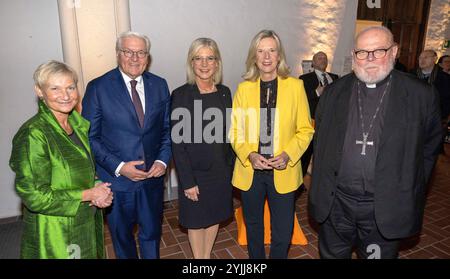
x=139, y=87
x=319, y=75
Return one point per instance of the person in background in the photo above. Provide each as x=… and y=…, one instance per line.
x=432, y=73
x=204, y=168
x=444, y=63
x=376, y=143
x=55, y=174
x=270, y=130
x=315, y=82
x=427, y=62
x=129, y=111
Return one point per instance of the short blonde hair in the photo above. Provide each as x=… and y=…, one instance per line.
x=193, y=50
x=252, y=72
x=50, y=68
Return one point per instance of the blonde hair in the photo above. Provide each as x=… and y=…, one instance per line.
x=52, y=67
x=252, y=71
x=193, y=50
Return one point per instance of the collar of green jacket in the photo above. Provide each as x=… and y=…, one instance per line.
x=75, y=119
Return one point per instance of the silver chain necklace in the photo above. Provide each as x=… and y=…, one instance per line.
x=364, y=142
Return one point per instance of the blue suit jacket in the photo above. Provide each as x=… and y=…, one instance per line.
x=115, y=134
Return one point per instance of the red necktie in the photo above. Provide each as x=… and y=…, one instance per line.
x=137, y=102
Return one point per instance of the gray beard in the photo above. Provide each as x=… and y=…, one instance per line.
x=362, y=76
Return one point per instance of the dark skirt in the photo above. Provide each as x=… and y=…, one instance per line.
x=215, y=202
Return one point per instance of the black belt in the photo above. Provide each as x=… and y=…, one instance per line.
x=264, y=172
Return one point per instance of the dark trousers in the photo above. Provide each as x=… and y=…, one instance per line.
x=281, y=217
x=143, y=207
x=306, y=158
x=352, y=223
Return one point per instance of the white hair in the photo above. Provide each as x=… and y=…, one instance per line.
x=376, y=28
x=129, y=34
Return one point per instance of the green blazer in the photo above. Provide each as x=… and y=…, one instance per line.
x=51, y=174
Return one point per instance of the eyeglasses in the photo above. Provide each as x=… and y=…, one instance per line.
x=129, y=53
x=377, y=53
x=208, y=59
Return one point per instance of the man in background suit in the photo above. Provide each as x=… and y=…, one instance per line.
x=431, y=73
x=377, y=140
x=314, y=83
x=129, y=108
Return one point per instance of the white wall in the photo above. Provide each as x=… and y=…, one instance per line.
x=88, y=32
x=173, y=25
x=30, y=35
x=305, y=27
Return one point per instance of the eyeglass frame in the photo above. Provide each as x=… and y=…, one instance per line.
x=373, y=52
x=137, y=53
x=209, y=59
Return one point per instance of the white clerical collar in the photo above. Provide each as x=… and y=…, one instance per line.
x=380, y=83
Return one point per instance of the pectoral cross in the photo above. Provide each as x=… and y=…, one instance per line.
x=364, y=143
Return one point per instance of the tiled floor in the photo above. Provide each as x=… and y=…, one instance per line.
x=434, y=241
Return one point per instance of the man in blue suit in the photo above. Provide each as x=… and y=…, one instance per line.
x=128, y=108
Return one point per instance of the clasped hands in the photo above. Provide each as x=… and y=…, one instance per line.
x=129, y=170
x=100, y=195
x=259, y=162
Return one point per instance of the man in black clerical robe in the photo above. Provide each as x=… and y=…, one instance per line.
x=376, y=142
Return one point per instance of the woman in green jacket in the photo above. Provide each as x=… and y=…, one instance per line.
x=55, y=175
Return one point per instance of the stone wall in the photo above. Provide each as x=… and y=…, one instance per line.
x=438, y=27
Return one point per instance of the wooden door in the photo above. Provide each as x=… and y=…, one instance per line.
x=407, y=21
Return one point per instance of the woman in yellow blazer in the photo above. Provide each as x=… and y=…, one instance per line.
x=270, y=130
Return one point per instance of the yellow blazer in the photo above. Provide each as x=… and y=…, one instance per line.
x=292, y=131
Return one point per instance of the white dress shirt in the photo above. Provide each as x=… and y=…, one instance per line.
x=139, y=87
x=319, y=75
x=141, y=92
